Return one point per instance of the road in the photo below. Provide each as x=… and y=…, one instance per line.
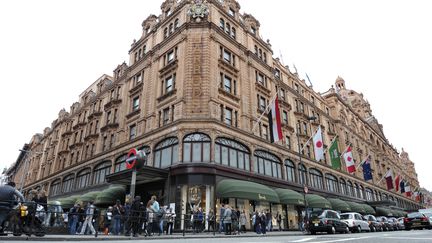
x=420, y=236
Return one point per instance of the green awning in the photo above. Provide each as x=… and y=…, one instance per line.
x=290, y=197
x=396, y=213
x=315, y=201
x=54, y=203
x=380, y=211
x=89, y=196
x=68, y=202
x=230, y=188
x=110, y=195
x=356, y=207
x=368, y=209
x=339, y=205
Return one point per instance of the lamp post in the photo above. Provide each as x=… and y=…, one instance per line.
x=300, y=149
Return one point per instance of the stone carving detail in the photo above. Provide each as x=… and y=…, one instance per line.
x=198, y=10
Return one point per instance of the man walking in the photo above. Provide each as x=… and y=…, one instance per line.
x=89, y=212
x=118, y=212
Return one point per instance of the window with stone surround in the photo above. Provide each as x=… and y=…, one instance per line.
x=196, y=148
x=135, y=103
x=232, y=153
x=316, y=179
x=228, y=84
x=132, y=132
x=100, y=172
x=168, y=84
x=227, y=56
x=83, y=179
x=267, y=164
x=166, y=153
x=290, y=170
x=68, y=183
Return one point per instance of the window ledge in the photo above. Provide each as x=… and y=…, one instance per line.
x=262, y=88
x=136, y=88
x=171, y=93
x=228, y=94
x=170, y=66
x=133, y=113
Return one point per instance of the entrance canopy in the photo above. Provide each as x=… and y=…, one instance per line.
x=290, y=197
x=368, y=209
x=110, y=195
x=145, y=175
x=246, y=190
x=316, y=201
x=356, y=207
x=339, y=205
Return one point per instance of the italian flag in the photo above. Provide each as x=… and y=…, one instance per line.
x=349, y=160
x=275, y=122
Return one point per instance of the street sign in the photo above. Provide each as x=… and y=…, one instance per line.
x=131, y=159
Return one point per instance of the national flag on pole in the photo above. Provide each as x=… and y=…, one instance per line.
x=397, y=183
x=349, y=160
x=367, y=171
x=334, y=155
x=275, y=122
x=402, y=186
x=318, y=145
x=407, y=189
x=389, y=179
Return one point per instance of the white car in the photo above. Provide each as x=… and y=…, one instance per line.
x=355, y=222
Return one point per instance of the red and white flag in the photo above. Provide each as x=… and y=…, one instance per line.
x=318, y=145
x=275, y=122
x=408, y=189
x=389, y=179
x=397, y=182
x=349, y=160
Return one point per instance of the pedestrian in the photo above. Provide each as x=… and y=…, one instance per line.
x=125, y=219
x=256, y=219
x=108, y=217
x=117, y=212
x=88, y=221
x=135, y=215
x=234, y=221
x=269, y=217
x=221, y=216
x=150, y=218
x=242, y=220
x=227, y=219
x=263, y=223
x=161, y=219
x=279, y=220
x=73, y=219
x=211, y=220
x=170, y=216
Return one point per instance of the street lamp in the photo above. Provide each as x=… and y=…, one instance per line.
x=300, y=149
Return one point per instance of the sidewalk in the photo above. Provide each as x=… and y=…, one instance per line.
x=188, y=235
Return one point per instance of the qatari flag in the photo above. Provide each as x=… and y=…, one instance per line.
x=389, y=179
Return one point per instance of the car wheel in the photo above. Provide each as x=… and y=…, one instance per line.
x=313, y=232
x=332, y=230
x=347, y=231
x=374, y=229
x=359, y=229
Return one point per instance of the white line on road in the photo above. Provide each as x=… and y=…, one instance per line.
x=407, y=238
x=346, y=239
x=303, y=240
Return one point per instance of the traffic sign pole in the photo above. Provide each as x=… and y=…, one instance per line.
x=133, y=183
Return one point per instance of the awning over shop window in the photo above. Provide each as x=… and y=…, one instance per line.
x=230, y=188
x=110, y=195
x=380, y=211
x=68, y=202
x=368, y=209
x=89, y=196
x=339, y=205
x=315, y=201
x=290, y=197
x=356, y=207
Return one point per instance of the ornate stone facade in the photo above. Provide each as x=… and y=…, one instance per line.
x=214, y=77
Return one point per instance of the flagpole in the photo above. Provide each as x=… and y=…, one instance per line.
x=331, y=142
x=363, y=161
x=265, y=111
x=383, y=177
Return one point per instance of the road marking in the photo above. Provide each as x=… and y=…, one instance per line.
x=407, y=238
x=303, y=240
x=346, y=239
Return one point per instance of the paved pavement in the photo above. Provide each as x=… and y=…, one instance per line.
x=420, y=236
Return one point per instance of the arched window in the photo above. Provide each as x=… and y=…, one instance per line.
x=83, y=179
x=343, y=186
x=350, y=189
x=166, y=153
x=166, y=32
x=361, y=191
x=55, y=188
x=222, y=24
x=302, y=175
x=176, y=24
x=356, y=190
x=290, y=170
x=267, y=164
x=68, y=183
x=171, y=28
x=369, y=194
x=120, y=164
x=227, y=28
x=100, y=172
x=233, y=32
x=232, y=153
x=196, y=148
x=316, y=179
x=332, y=183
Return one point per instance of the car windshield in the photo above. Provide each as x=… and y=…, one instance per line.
x=317, y=214
x=428, y=214
x=415, y=215
x=346, y=216
x=372, y=218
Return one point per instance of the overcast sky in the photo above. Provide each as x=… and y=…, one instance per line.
x=51, y=50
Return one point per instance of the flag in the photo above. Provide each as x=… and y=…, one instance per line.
x=407, y=189
x=389, y=179
x=334, y=155
x=349, y=161
x=367, y=171
x=275, y=122
x=397, y=183
x=318, y=145
x=402, y=186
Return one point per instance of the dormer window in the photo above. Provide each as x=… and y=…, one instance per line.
x=231, y=12
x=277, y=73
x=168, y=12
x=253, y=30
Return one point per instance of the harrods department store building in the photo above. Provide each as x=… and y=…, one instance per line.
x=198, y=79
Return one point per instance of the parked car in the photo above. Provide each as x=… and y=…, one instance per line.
x=400, y=223
x=355, y=222
x=417, y=221
x=393, y=222
x=385, y=224
x=326, y=221
x=374, y=225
